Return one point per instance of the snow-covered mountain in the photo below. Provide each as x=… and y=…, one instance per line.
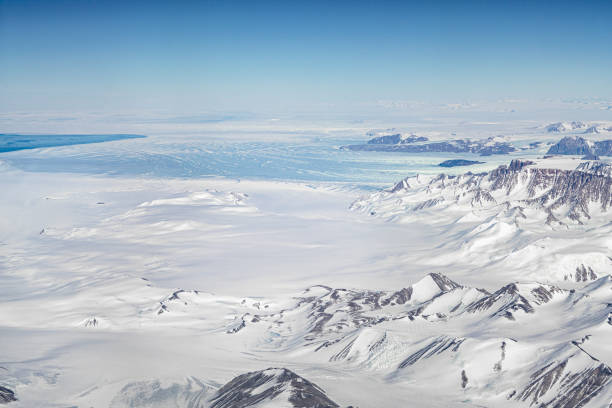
x=563, y=195
x=565, y=126
x=273, y=387
x=530, y=343
x=580, y=146
x=420, y=144
x=500, y=296
x=523, y=219
x=524, y=344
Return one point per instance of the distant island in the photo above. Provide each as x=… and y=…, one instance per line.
x=459, y=162
x=421, y=144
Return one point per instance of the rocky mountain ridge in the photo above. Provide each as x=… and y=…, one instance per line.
x=576, y=145
x=561, y=194
x=396, y=143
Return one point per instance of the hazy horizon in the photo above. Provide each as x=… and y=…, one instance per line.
x=297, y=57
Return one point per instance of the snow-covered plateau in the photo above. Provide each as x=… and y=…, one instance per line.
x=148, y=273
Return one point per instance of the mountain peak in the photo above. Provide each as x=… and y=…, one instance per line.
x=280, y=385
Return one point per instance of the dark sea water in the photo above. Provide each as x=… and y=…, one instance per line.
x=13, y=142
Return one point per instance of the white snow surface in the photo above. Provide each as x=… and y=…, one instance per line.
x=137, y=291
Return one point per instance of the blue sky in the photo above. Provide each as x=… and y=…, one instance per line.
x=229, y=55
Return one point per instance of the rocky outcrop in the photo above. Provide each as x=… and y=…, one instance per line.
x=394, y=143
x=6, y=395
x=569, y=389
x=512, y=298
x=576, y=145
x=573, y=192
x=278, y=386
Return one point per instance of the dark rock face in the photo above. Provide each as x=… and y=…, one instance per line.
x=459, y=162
x=580, y=146
x=6, y=395
x=575, y=389
x=438, y=346
x=248, y=390
x=356, y=306
x=598, y=168
x=509, y=299
x=176, y=297
x=603, y=148
x=571, y=145
x=464, y=379
x=592, y=129
x=445, y=284
x=394, y=143
x=584, y=274
x=547, y=189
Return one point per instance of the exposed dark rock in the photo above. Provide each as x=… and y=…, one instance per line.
x=444, y=283
x=174, y=298
x=571, y=145
x=595, y=167
x=249, y=389
x=459, y=162
x=498, y=366
x=576, y=145
x=91, y=322
x=574, y=389
x=584, y=273
x=509, y=299
x=484, y=147
x=6, y=395
x=503, y=302
x=592, y=129
x=464, y=379
x=235, y=328
x=546, y=189
x=437, y=346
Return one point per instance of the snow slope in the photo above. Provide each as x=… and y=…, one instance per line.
x=477, y=289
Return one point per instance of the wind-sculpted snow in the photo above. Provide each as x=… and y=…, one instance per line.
x=445, y=291
x=525, y=343
x=153, y=394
